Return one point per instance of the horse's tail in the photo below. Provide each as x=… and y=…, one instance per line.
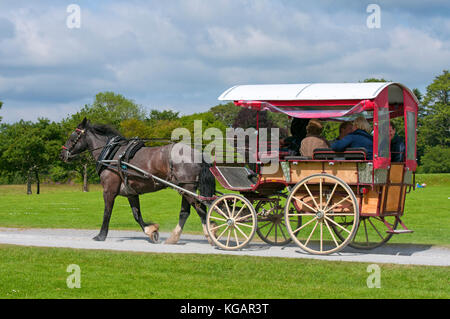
x=207, y=182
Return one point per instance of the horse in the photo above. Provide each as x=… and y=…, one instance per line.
x=178, y=168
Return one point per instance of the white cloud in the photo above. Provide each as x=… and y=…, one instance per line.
x=183, y=54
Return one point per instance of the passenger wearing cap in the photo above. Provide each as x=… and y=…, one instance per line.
x=313, y=139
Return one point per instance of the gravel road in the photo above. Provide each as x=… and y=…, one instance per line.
x=407, y=254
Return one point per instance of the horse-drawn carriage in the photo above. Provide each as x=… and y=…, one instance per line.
x=322, y=203
x=330, y=200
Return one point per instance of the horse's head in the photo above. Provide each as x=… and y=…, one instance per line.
x=76, y=142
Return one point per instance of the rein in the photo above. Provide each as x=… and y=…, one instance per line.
x=81, y=132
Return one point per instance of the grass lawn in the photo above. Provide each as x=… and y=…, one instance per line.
x=427, y=210
x=42, y=273
x=29, y=272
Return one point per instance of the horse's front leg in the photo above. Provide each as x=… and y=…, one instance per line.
x=109, y=198
x=150, y=229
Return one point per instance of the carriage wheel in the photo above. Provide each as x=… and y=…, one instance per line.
x=371, y=232
x=322, y=201
x=231, y=222
x=271, y=225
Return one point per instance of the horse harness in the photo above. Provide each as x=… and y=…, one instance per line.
x=110, y=150
x=133, y=146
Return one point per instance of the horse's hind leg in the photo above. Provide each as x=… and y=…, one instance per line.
x=184, y=214
x=201, y=211
x=150, y=229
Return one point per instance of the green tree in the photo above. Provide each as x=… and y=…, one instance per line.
x=1, y=104
x=225, y=113
x=434, y=123
x=368, y=80
x=207, y=119
x=107, y=108
x=29, y=148
x=436, y=160
x=166, y=115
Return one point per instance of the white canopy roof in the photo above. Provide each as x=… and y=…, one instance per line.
x=314, y=92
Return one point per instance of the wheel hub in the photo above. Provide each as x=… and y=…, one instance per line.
x=320, y=215
x=230, y=222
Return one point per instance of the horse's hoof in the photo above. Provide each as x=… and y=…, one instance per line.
x=152, y=232
x=99, y=238
x=154, y=237
x=171, y=241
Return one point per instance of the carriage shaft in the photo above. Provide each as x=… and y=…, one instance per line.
x=148, y=175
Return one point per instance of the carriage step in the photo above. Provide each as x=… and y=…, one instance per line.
x=400, y=231
x=405, y=229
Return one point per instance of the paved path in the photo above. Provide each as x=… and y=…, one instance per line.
x=195, y=244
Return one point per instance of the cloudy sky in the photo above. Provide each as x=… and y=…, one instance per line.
x=182, y=54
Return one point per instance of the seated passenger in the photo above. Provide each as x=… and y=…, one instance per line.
x=313, y=139
x=359, y=137
x=292, y=143
x=344, y=129
x=397, y=145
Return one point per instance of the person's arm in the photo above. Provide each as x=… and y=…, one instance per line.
x=341, y=145
x=402, y=150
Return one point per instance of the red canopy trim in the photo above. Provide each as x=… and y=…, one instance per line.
x=330, y=109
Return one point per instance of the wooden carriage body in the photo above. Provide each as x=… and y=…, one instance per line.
x=375, y=187
x=380, y=185
x=378, y=195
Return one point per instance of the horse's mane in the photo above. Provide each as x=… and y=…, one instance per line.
x=104, y=129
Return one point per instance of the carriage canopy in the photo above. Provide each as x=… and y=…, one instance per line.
x=377, y=101
x=322, y=100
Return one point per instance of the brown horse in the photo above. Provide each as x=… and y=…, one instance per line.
x=161, y=162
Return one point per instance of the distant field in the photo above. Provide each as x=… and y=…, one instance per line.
x=65, y=206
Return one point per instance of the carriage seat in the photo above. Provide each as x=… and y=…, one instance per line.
x=272, y=155
x=298, y=158
x=357, y=153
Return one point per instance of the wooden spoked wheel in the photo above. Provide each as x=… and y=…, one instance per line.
x=231, y=222
x=271, y=225
x=371, y=231
x=322, y=201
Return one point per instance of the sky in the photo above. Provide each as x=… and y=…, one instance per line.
x=182, y=54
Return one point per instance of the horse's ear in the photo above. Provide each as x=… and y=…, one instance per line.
x=83, y=123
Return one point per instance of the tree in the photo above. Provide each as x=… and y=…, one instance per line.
x=368, y=80
x=434, y=122
x=225, y=113
x=166, y=115
x=1, y=104
x=436, y=160
x=247, y=118
x=135, y=128
x=107, y=108
x=29, y=148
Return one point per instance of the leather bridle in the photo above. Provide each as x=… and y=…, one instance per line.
x=80, y=133
x=69, y=149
